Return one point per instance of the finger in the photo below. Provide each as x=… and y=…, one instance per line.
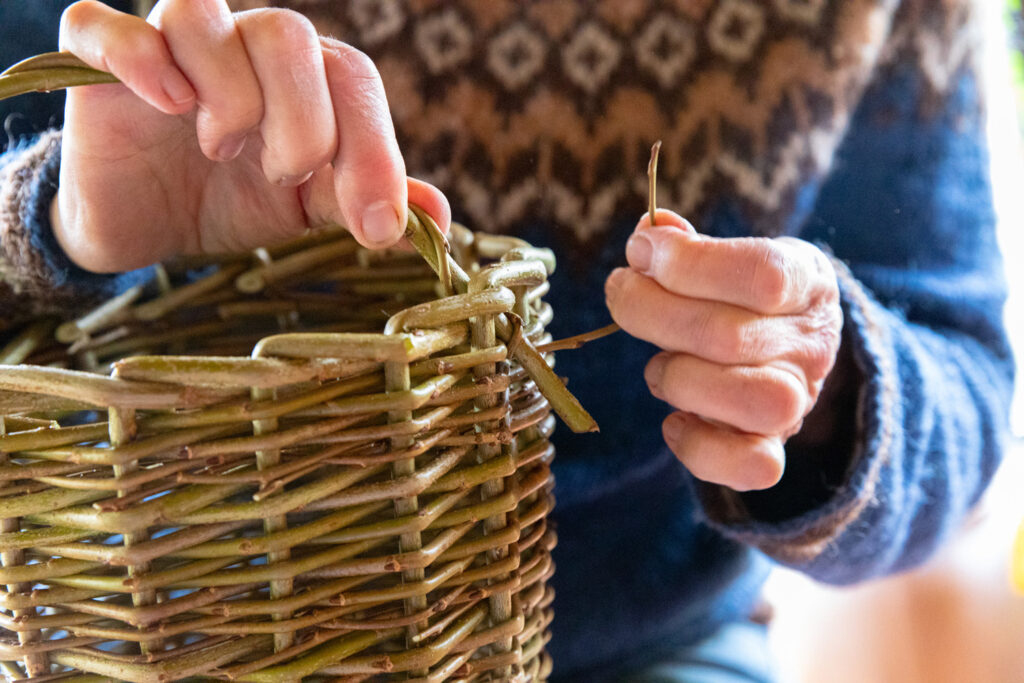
x=771, y=276
x=743, y=462
x=666, y=218
x=721, y=333
x=205, y=43
x=298, y=128
x=129, y=48
x=321, y=206
x=431, y=200
x=370, y=181
x=764, y=400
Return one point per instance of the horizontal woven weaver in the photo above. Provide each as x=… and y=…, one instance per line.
x=233, y=474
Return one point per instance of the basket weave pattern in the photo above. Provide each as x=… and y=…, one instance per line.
x=239, y=477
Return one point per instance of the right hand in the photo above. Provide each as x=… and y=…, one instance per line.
x=227, y=131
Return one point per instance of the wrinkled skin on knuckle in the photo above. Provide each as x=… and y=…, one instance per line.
x=737, y=340
x=820, y=356
x=287, y=29
x=773, y=280
x=171, y=12
x=358, y=65
x=818, y=335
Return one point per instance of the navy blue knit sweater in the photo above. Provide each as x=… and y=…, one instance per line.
x=898, y=191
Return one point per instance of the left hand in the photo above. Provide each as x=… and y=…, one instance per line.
x=750, y=329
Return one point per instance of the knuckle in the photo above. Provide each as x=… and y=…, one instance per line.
x=297, y=159
x=235, y=114
x=736, y=341
x=707, y=334
x=75, y=14
x=181, y=14
x=355, y=64
x=288, y=29
x=360, y=64
x=821, y=356
x=771, y=279
x=822, y=339
x=143, y=42
x=75, y=21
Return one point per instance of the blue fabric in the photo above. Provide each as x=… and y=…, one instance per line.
x=736, y=653
x=647, y=564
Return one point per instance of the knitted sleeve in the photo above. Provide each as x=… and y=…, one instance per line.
x=36, y=277
x=908, y=214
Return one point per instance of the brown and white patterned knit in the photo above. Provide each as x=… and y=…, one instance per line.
x=546, y=110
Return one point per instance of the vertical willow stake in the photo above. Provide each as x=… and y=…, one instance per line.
x=36, y=663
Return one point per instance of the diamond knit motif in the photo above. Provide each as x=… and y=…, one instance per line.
x=736, y=29
x=544, y=112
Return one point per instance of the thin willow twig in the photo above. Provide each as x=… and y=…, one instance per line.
x=578, y=340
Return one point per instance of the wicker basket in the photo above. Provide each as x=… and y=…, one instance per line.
x=236, y=476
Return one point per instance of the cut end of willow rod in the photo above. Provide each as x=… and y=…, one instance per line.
x=577, y=341
x=652, y=178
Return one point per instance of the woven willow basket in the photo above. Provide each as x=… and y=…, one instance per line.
x=313, y=462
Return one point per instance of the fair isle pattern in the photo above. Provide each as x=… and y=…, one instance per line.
x=546, y=110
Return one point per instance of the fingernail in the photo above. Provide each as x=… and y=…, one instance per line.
x=613, y=284
x=639, y=252
x=653, y=373
x=673, y=427
x=230, y=148
x=294, y=180
x=176, y=87
x=381, y=224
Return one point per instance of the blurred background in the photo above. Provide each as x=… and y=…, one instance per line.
x=958, y=619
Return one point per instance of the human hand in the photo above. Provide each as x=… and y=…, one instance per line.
x=750, y=329
x=228, y=131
